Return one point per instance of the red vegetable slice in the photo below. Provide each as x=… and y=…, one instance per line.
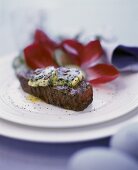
x=43, y=38
x=62, y=58
x=92, y=51
x=69, y=44
x=101, y=73
x=73, y=48
x=37, y=56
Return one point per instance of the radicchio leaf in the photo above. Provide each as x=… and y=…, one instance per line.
x=37, y=56
x=73, y=48
x=43, y=38
x=92, y=52
x=101, y=73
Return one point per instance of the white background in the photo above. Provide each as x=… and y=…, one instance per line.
x=19, y=17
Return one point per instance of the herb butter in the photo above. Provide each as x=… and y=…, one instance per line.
x=56, y=77
x=42, y=77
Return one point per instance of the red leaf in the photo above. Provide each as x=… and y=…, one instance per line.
x=101, y=73
x=92, y=51
x=37, y=56
x=77, y=46
x=73, y=48
x=62, y=58
x=43, y=38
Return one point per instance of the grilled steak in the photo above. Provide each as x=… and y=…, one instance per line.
x=60, y=93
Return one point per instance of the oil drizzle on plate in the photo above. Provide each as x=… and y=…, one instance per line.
x=32, y=98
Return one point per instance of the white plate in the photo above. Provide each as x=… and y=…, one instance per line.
x=110, y=101
x=65, y=135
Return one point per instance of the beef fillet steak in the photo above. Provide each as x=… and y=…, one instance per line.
x=58, y=87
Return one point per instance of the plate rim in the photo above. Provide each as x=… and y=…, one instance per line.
x=107, y=131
